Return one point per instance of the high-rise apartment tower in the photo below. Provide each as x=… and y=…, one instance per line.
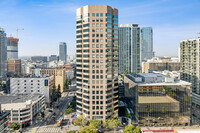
x=97, y=61
x=146, y=43
x=190, y=64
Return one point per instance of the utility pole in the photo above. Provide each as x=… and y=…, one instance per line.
x=17, y=31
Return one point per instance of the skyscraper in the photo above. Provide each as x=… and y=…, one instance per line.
x=135, y=46
x=12, y=48
x=189, y=58
x=97, y=61
x=63, y=52
x=53, y=57
x=3, y=54
x=129, y=48
x=146, y=43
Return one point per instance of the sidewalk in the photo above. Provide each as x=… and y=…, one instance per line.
x=70, y=126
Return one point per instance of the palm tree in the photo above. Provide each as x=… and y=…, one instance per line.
x=163, y=110
x=149, y=109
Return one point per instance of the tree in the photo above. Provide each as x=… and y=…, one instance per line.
x=88, y=129
x=125, y=72
x=149, y=110
x=112, y=123
x=73, y=103
x=58, y=93
x=95, y=122
x=129, y=129
x=163, y=110
x=68, y=111
x=42, y=114
x=80, y=121
x=71, y=131
x=69, y=81
x=16, y=75
x=137, y=130
x=15, y=126
x=187, y=99
x=171, y=94
x=53, y=94
x=169, y=91
x=66, y=86
x=127, y=114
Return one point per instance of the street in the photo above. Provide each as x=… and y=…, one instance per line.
x=49, y=124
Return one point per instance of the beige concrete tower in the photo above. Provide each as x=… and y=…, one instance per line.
x=190, y=72
x=97, y=61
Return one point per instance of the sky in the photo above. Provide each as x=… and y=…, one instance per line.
x=48, y=22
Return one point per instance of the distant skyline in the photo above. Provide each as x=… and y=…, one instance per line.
x=48, y=22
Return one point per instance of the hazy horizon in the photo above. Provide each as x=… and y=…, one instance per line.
x=48, y=22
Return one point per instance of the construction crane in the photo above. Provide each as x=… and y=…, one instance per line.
x=17, y=30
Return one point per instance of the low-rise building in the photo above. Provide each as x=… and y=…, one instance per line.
x=172, y=74
x=158, y=99
x=55, y=64
x=22, y=108
x=161, y=64
x=38, y=85
x=14, y=66
x=26, y=67
x=68, y=67
x=71, y=59
x=29, y=66
x=59, y=75
x=69, y=74
x=70, y=71
x=39, y=58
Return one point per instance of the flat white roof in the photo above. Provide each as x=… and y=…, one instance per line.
x=20, y=98
x=180, y=82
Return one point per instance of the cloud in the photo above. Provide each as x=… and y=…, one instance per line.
x=47, y=22
x=64, y=8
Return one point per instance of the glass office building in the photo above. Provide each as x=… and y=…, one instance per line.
x=3, y=54
x=63, y=52
x=135, y=46
x=147, y=43
x=158, y=100
x=129, y=48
